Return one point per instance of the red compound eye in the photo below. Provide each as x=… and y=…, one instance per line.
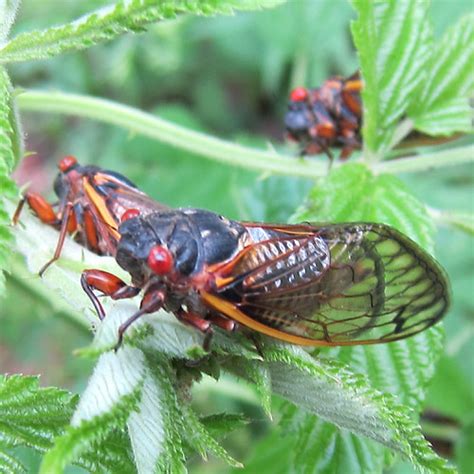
x=160, y=260
x=299, y=94
x=66, y=163
x=129, y=214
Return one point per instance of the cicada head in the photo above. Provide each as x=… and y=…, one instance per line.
x=157, y=245
x=298, y=118
x=61, y=183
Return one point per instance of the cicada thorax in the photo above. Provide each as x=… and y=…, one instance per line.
x=91, y=204
x=327, y=116
x=188, y=234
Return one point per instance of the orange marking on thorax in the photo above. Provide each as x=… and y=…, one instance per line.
x=101, y=207
x=353, y=86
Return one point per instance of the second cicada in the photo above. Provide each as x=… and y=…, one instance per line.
x=327, y=116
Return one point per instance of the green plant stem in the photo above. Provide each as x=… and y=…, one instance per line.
x=401, y=132
x=154, y=127
x=412, y=164
x=461, y=220
x=214, y=148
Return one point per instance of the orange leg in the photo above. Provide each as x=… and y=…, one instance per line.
x=62, y=235
x=205, y=325
x=45, y=212
x=152, y=301
x=223, y=323
x=351, y=143
x=40, y=206
x=198, y=322
x=108, y=284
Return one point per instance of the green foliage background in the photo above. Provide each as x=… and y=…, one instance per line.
x=230, y=77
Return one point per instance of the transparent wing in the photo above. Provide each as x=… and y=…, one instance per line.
x=339, y=284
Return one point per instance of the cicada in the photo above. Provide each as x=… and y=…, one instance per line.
x=92, y=202
x=327, y=116
x=315, y=285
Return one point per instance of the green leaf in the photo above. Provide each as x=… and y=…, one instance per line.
x=463, y=221
x=112, y=394
x=353, y=193
x=200, y=438
x=259, y=375
x=108, y=22
x=8, y=11
x=152, y=381
x=324, y=448
x=30, y=416
x=221, y=424
x=272, y=453
x=111, y=453
x=464, y=452
x=10, y=465
x=156, y=428
x=10, y=149
x=456, y=398
x=404, y=368
x=442, y=105
x=392, y=42
x=331, y=391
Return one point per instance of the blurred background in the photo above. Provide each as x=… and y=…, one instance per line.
x=230, y=77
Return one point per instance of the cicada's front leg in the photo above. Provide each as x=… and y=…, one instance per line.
x=108, y=284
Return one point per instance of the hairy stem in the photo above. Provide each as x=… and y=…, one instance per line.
x=214, y=148
x=454, y=156
x=154, y=127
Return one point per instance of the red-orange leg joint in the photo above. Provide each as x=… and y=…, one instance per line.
x=90, y=231
x=105, y=282
x=194, y=320
x=223, y=323
x=152, y=301
x=42, y=208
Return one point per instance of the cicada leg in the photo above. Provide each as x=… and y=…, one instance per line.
x=67, y=215
x=152, y=301
x=42, y=208
x=350, y=143
x=45, y=212
x=108, y=284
